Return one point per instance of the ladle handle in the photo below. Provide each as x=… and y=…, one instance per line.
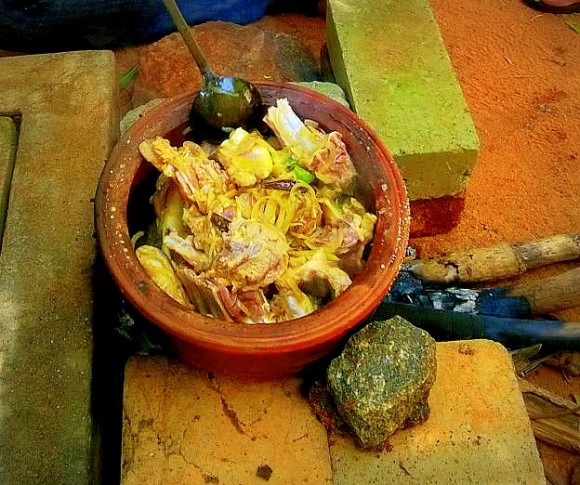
x=183, y=29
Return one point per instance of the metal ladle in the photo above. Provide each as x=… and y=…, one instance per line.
x=223, y=101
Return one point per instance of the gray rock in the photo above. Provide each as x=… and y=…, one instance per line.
x=381, y=381
x=332, y=90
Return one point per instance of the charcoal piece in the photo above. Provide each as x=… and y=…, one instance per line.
x=381, y=381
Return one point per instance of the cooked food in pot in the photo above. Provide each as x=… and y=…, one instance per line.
x=256, y=230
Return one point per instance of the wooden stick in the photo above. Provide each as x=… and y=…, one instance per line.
x=496, y=262
x=555, y=433
x=568, y=362
x=555, y=414
x=549, y=250
x=551, y=294
x=561, y=428
x=528, y=388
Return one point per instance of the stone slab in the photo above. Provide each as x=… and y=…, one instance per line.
x=390, y=58
x=478, y=430
x=182, y=426
x=67, y=106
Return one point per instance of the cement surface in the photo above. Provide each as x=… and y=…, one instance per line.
x=67, y=106
x=184, y=427
x=390, y=58
x=8, y=143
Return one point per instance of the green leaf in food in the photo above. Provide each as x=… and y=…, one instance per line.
x=303, y=175
x=300, y=173
x=291, y=162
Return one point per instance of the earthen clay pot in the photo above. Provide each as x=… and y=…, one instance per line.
x=261, y=351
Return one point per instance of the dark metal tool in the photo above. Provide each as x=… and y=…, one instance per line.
x=223, y=101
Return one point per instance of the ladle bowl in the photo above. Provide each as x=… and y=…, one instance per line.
x=223, y=101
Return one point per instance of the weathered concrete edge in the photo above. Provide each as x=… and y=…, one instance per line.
x=451, y=170
x=8, y=143
x=37, y=101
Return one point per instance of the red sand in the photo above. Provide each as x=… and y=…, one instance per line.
x=520, y=74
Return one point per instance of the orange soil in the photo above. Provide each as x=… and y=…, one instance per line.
x=520, y=74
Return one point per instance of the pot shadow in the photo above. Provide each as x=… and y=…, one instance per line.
x=119, y=333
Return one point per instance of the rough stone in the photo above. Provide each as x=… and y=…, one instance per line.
x=391, y=60
x=181, y=426
x=67, y=105
x=310, y=30
x=250, y=52
x=381, y=380
x=137, y=113
x=478, y=430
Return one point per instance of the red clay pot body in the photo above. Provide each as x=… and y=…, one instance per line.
x=261, y=351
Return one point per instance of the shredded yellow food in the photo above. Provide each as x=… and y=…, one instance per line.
x=256, y=230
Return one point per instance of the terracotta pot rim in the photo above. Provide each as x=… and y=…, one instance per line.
x=184, y=324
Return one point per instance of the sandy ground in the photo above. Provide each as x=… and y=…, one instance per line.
x=520, y=74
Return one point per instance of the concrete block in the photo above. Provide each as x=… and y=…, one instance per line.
x=67, y=106
x=478, y=430
x=390, y=58
x=182, y=426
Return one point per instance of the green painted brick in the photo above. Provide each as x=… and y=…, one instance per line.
x=389, y=57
